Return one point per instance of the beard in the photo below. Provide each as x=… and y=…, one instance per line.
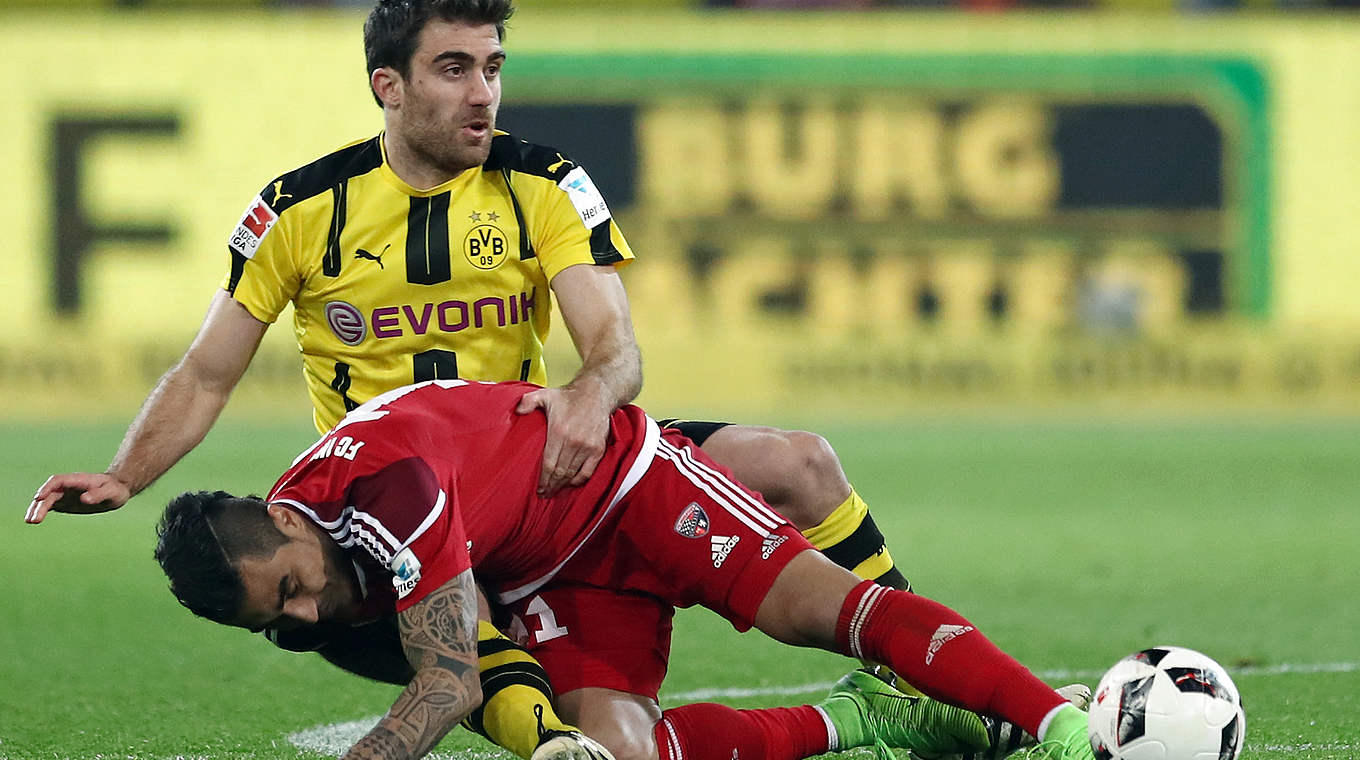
x=442, y=143
x=341, y=599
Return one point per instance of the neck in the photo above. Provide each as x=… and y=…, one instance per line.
x=412, y=167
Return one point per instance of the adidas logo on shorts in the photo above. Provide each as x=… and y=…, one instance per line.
x=771, y=543
x=722, y=546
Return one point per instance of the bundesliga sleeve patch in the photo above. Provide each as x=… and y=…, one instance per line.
x=405, y=572
x=254, y=225
x=589, y=203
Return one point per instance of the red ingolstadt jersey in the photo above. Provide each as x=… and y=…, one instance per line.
x=427, y=480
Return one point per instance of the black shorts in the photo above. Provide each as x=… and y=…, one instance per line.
x=695, y=430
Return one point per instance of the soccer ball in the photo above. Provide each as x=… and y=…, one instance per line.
x=1167, y=703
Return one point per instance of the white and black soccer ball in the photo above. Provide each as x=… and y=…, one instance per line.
x=1167, y=703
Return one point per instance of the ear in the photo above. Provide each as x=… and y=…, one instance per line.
x=285, y=519
x=387, y=84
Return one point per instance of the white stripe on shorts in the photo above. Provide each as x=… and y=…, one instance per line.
x=668, y=452
x=761, y=512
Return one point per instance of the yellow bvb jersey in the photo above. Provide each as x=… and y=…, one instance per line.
x=392, y=285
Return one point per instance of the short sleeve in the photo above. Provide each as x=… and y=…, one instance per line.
x=263, y=276
x=411, y=526
x=571, y=224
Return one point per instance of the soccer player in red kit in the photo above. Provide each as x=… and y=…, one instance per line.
x=412, y=493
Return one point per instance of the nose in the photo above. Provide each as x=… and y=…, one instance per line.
x=481, y=92
x=302, y=609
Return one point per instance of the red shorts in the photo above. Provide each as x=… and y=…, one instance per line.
x=686, y=534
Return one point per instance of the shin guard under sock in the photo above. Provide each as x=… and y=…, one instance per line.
x=942, y=654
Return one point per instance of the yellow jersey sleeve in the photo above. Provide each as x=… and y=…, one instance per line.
x=574, y=226
x=264, y=275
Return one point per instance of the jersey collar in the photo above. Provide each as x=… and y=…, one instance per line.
x=385, y=170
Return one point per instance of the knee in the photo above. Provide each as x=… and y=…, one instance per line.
x=814, y=482
x=622, y=722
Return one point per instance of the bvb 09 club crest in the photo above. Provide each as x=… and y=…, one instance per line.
x=485, y=246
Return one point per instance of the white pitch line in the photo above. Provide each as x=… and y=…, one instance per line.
x=699, y=695
x=334, y=739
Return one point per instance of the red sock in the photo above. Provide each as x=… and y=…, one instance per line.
x=706, y=731
x=939, y=652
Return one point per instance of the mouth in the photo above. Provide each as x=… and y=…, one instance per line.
x=478, y=129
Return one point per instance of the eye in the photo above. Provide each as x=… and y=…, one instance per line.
x=454, y=70
x=492, y=72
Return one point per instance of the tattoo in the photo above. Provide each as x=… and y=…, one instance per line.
x=439, y=634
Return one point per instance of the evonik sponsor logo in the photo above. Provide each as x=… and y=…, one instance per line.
x=721, y=546
x=350, y=326
x=943, y=635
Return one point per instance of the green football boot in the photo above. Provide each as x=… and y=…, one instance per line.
x=866, y=712
x=1067, y=738
x=1005, y=738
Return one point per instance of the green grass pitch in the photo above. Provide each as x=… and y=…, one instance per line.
x=1069, y=544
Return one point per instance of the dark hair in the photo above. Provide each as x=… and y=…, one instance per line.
x=198, y=541
x=393, y=27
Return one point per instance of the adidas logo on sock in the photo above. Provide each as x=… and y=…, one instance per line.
x=722, y=546
x=943, y=635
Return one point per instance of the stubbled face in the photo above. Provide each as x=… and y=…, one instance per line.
x=445, y=110
x=308, y=580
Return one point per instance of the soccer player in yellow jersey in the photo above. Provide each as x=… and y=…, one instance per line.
x=432, y=251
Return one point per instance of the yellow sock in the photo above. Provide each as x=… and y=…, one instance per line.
x=515, y=690
x=849, y=537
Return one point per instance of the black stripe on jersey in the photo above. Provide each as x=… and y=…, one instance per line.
x=427, y=241
x=238, y=267
x=341, y=385
x=524, y=370
x=509, y=153
x=602, y=244
x=330, y=263
x=322, y=174
x=526, y=248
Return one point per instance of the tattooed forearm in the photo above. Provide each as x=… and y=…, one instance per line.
x=439, y=635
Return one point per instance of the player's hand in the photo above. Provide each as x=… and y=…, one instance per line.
x=77, y=493
x=578, y=424
x=569, y=745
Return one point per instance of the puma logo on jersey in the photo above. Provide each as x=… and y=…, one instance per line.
x=362, y=254
x=561, y=161
x=279, y=194
x=722, y=546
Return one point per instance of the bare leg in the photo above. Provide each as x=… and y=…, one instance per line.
x=621, y=721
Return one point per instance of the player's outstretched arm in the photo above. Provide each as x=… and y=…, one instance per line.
x=173, y=419
x=595, y=309
x=439, y=634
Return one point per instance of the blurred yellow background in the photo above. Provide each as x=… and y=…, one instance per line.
x=834, y=213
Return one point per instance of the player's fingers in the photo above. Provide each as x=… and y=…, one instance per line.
x=109, y=490
x=552, y=453
x=587, y=469
x=564, y=469
x=37, y=510
x=531, y=401
x=49, y=486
